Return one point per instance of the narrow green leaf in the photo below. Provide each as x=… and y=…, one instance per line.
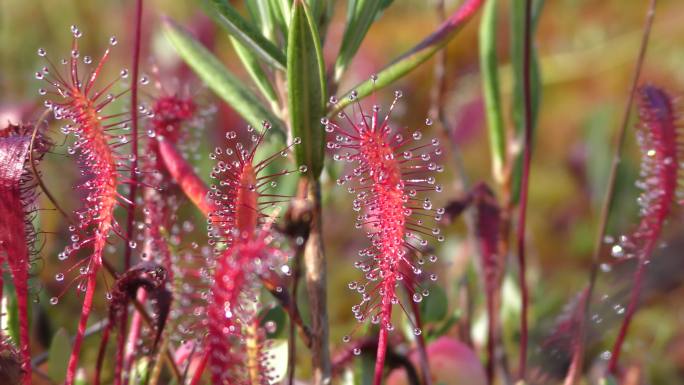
x=322, y=12
x=489, y=67
x=248, y=34
x=280, y=11
x=253, y=67
x=360, y=16
x=218, y=78
x=517, y=57
x=306, y=88
x=58, y=356
x=417, y=55
x=262, y=15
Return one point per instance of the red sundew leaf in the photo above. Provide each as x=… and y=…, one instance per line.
x=487, y=223
x=17, y=196
x=391, y=171
x=183, y=174
x=657, y=136
x=73, y=97
x=240, y=231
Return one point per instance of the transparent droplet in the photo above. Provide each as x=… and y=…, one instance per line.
x=124, y=73
x=346, y=338
x=357, y=351
x=54, y=301
x=417, y=331
x=41, y=52
x=59, y=277
x=428, y=122
x=113, y=41
x=303, y=169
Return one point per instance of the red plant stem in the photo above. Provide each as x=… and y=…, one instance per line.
x=185, y=176
x=382, y=345
x=197, y=376
x=631, y=308
x=130, y=215
x=578, y=354
x=101, y=353
x=78, y=341
x=134, y=131
x=524, y=187
x=422, y=351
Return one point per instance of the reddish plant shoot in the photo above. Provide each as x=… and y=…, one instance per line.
x=73, y=97
x=17, y=235
x=658, y=138
x=239, y=230
x=391, y=171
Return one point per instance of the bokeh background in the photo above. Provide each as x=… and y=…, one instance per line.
x=587, y=51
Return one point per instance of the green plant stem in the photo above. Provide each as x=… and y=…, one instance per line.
x=316, y=283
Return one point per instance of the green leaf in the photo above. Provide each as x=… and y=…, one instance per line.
x=306, y=88
x=414, y=57
x=58, y=356
x=11, y=312
x=489, y=67
x=218, y=78
x=281, y=11
x=279, y=318
x=517, y=58
x=247, y=34
x=360, y=16
x=434, y=307
x=262, y=15
x=251, y=64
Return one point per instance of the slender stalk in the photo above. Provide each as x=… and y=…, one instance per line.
x=578, y=355
x=130, y=215
x=524, y=187
x=316, y=283
x=425, y=373
x=382, y=346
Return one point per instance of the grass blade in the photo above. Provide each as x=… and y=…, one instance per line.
x=218, y=78
x=416, y=55
x=491, y=88
x=245, y=32
x=360, y=16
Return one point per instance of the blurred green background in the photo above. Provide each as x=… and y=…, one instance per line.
x=587, y=51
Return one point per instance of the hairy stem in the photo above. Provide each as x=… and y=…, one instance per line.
x=314, y=261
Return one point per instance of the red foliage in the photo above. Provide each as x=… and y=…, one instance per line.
x=390, y=172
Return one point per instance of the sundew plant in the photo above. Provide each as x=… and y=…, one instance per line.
x=322, y=192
